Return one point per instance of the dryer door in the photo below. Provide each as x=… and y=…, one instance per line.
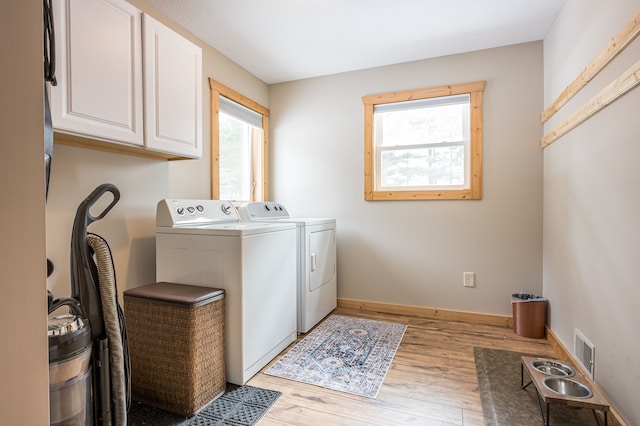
x=322, y=257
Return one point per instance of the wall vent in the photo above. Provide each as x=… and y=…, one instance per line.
x=584, y=352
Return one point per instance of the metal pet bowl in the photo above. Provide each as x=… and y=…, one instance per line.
x=567, y=387
x=552, y=367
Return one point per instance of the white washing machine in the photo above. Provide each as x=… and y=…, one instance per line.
x=316, y=259
x=203, y=242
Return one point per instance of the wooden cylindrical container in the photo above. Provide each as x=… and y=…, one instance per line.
x=529, y=316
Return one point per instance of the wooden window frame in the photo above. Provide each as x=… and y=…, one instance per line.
x=218, y=89
x=474, y=192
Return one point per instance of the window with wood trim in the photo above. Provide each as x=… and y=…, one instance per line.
x=239, y=146
x=424, y=144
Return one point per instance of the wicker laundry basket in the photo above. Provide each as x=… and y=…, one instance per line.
x=176, y=345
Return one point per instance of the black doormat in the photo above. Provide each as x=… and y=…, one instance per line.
x=503, y=400
x=239, y=406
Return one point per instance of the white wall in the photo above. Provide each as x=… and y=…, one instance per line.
x=415, y=252
x=130, y=227
x=24, y=393
x=592, y=202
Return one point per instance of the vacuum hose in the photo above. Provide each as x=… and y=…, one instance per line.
x=114, y=328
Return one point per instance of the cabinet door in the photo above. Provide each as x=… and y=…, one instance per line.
x=99, y=70
x=173, y=91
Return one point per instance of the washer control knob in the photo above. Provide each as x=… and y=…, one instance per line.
x=200, y=208
x=180, y=211
x=226, y=209
x=190, y=209
x=267, y=208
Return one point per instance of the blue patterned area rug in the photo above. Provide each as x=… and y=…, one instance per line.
x=343, y=353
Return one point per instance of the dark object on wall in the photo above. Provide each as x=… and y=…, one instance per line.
x=49, y=76
x=49, y=55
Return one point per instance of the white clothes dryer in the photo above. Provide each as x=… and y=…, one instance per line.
x=203, y=242
x=316, y=259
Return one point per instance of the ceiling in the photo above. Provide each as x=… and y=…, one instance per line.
x=284, y=40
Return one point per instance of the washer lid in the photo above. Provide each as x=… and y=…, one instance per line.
x=306, y=221
x=239, y=229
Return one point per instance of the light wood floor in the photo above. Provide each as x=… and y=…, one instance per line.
x=432, y=380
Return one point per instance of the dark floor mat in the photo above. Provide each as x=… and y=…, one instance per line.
x=238, y=406
x=503, y=400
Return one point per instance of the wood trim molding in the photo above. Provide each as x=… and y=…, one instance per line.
x=215, y=147
x=565, y=354
x=499, y=320
x=617, y=44
x=238, y=97
x=476, y=138
x=368, y=151
x=265, y=157
x=623, y=84
x=432, y=92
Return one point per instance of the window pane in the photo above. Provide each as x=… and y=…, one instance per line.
x=235, y=159
x=434, y=124
x=239, y=148
x=432, y=166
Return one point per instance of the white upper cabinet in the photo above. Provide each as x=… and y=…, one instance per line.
x=173, y=90
x=127, y=79
x=99, y=70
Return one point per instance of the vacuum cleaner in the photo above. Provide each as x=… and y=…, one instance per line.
x=88, y=348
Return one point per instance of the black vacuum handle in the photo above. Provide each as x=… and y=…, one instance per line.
x=95, y=196
x=84, y=273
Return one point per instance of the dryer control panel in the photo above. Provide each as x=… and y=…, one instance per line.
x=263, y=210
x=176, y=212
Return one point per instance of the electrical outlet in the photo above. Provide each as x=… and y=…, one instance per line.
x=469, y=279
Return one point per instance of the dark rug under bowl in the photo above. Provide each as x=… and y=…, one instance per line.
x=239, y=406
x=504, y=402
